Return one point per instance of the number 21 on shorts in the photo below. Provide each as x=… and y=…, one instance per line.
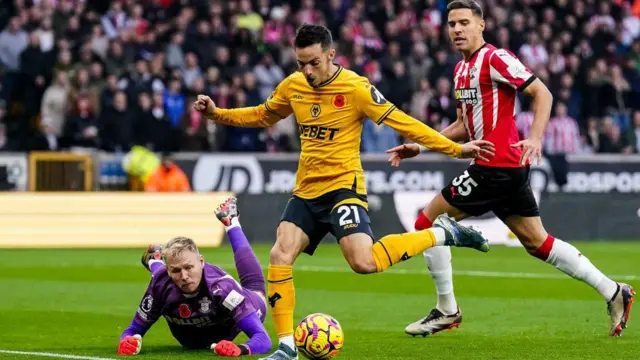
x=464, y=183
x=348, y=215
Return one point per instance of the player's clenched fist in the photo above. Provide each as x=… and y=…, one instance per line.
x=205, y=105
x=130, y=345
x=229, y=349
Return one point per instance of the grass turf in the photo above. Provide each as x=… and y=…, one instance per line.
x=79, y=301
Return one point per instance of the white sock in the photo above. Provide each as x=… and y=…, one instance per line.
x=566, y=258
x=288, y=340
x=440, y=236
x=235, y=222
x=439, y=264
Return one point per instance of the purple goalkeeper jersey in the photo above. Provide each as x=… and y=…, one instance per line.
x=209, y=316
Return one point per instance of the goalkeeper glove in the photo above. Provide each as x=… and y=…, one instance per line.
x=130, y=345
x=229, y=349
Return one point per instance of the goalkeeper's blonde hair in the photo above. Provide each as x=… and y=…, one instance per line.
x=177, y=245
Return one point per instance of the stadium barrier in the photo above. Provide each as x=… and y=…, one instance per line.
x=106, y=219
x=59, y=171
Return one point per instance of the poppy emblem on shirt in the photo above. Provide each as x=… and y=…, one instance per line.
x=184, y=311
x=339, y=101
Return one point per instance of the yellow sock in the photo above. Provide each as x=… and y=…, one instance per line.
x=282, y=298
x=394, y=248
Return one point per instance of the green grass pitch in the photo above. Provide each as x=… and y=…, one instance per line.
x=77, y=302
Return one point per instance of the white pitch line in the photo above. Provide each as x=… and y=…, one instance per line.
x=54, y=355
x=471, y=273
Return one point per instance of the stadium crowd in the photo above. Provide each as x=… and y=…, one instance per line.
x=110, y=74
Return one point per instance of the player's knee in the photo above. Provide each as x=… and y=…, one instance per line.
x=285, y=250
x=528, y=230
x=281, y=255
x=363, y=264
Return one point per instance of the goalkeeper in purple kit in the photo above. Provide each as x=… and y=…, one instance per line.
x=203, y=305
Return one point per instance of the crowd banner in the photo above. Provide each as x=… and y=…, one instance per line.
x=107, y=219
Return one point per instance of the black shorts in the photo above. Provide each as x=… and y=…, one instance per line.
x=319, y=216
x=505, y=191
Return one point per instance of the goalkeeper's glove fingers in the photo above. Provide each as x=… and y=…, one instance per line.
x=229, y=349
x=130, y=345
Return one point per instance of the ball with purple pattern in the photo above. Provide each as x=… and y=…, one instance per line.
x=319, y=337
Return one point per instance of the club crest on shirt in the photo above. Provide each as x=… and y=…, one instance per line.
x=184, y=311
x=315, y=110
x=205, y=305
x=473, y=72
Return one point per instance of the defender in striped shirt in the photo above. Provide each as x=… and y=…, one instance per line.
x=486, y=84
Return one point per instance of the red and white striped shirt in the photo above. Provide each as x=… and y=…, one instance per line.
x=486, y=86
x=562, y=136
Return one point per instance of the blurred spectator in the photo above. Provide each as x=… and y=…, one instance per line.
x=441, y=110
x=116, y=125
x=153, y=125
x=268, y=75
x=611, y=140
x=633, y=133
x=562, y=135
x=378, y=138
x=419, y=65
x=33, y=67
x=174, y=54
x=13, y=41
x=248, y=19
x=54, y=102
x=174, y=101
x=193, y=128
x=167, y=178
x=243, y=139
x=81, y=126
x=191, y=70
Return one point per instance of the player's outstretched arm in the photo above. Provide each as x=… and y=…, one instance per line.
x=373, y=104
x=131, y=338
x=277, y=107
x=542, y=103
x=433, y=140
x=147, y=314
x=259, y=341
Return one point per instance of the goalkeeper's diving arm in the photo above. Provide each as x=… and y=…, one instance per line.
x=259, y=341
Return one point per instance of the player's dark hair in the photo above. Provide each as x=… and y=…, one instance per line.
x=311, y=34
x=466, y=4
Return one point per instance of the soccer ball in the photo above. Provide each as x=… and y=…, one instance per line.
x=319, y=337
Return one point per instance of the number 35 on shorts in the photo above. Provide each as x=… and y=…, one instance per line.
x=464, y=184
